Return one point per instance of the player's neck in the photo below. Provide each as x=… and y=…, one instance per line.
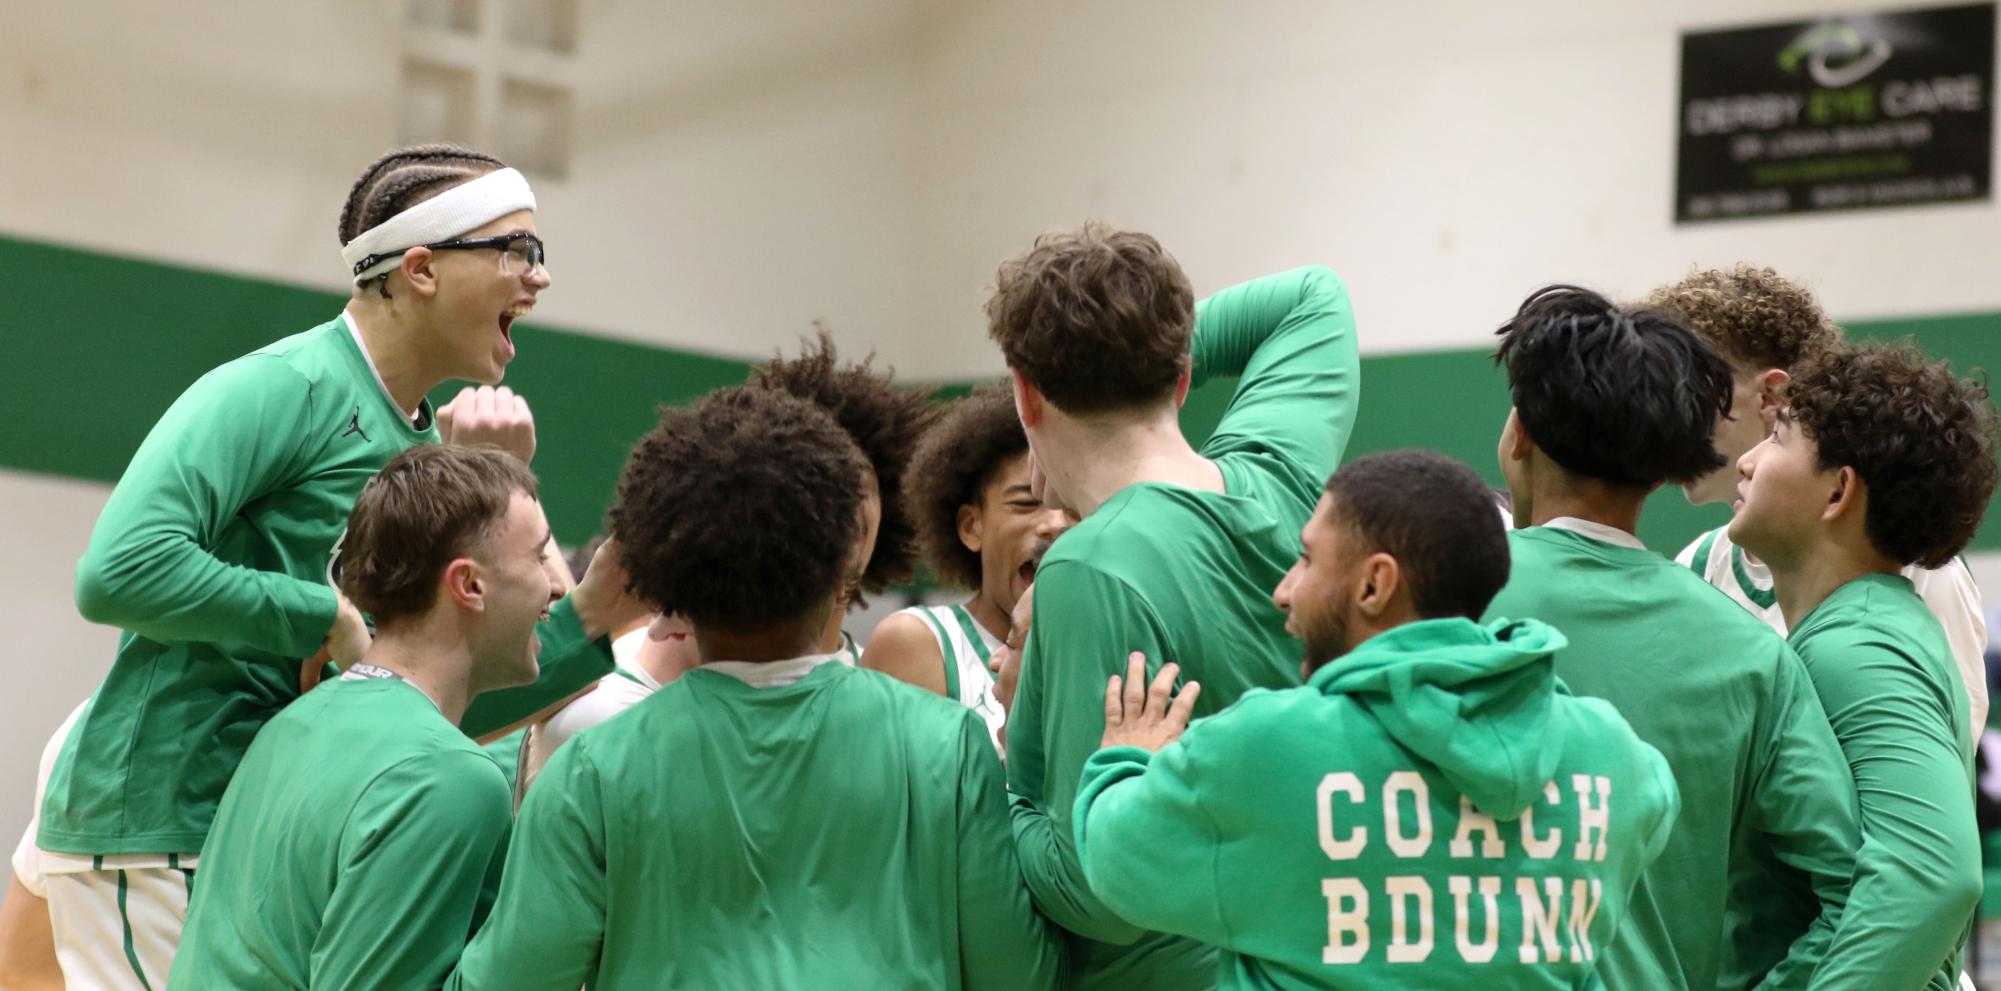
x=1802, y=581
x=1101, y=457
x=989, y=614
x=783, y=641
x=393, y=347
x=439, y=667
x=1613, y=506
x=832, y=638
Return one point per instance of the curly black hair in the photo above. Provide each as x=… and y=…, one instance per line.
x=954, y=463
x=1627, y=397
x=740, y=511
x=1921, y=437
x=884, y=421
x=1758, y=319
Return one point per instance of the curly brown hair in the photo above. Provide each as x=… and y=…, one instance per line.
x=740, y=511
x=955, y=461
x=884, y=421
x=1921, y=437
x=1097, y=319
x=1756, y=318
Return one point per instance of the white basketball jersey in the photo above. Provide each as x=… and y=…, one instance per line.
x=966, y=645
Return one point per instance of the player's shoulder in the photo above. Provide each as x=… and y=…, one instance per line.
x=1867, y=614
x=288, y=363
x=918, y=712
x=909, y=630
x=443, y=784
x=614, y=695
x=1264, y=721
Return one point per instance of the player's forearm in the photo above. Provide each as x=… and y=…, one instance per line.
x=1233, y=324
x=1103, y=832
x=1056, y=880
x=572, y=658
x=1899, y=927
x=1146, y=845
x=163, y=586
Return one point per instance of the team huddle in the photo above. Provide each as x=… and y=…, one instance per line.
x=1243, y=714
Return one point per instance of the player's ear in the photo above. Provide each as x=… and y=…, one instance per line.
x=1182, y=382
x=1772, y=384
x=1027, y=399
x=465, y=585
x=1516, y=441
x=416, y=267
x=1847, y=494
x=1381, y=578
x=969, y=526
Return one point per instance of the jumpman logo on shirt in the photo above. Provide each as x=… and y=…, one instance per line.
x=354, y=426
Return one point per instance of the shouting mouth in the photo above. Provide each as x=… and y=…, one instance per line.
x=506, y=322
x=1034, y=561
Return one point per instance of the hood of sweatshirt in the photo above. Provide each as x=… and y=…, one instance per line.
x=1478, y=702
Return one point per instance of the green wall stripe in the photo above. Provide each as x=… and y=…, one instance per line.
x=1456, y=401
x=104, y=343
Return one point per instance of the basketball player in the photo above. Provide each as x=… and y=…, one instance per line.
x=1609, y=404
x=885, y=422
x=1882, y=461
x=1446, y=772
x=881, y=419
x=774, y=818
x=1179, y=548
x=1766, y=327
x=215, y=553
x=361, y=838
x=981, y=527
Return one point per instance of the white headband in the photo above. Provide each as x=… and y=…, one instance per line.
x=442, y=217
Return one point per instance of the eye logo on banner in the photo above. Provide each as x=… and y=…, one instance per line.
x=1858, y=57
x=1869, y=110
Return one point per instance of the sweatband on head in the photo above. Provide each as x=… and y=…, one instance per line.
x=447, y=215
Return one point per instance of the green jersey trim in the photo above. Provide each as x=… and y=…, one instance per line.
x=945, y=652
x=973, y=636
x=1764, y=597
x=131, y=956
x=1700, y=562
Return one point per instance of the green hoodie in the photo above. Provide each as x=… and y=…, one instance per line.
x=1431, y=810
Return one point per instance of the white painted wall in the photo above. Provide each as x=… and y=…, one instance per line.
x=741, y=168
x=1445, y=157
x=54, y=659
x=744, y=168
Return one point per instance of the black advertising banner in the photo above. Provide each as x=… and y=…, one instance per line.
x=1867, y=110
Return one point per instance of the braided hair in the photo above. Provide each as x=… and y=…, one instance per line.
x=404, y=178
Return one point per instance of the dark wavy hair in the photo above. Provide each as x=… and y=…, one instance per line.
x=1097, y=319
x=1628, y=397
x=1921, y=437
x=741, y=511
x=954, y=464
x=884, y=421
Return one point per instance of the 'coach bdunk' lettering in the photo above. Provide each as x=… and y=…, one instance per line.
x=1549, y=929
